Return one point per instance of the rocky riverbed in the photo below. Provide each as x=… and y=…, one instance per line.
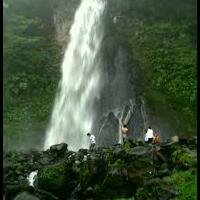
x=134, y=170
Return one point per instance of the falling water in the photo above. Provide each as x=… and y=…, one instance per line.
x=31, y=178
x=73, y=111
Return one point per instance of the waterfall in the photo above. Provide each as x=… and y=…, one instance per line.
x=31, y=178
x=79, y=87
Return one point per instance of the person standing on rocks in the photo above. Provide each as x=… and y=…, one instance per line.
x=92, y=140
x=124, y=132
x=149, y=135
x=156, y=138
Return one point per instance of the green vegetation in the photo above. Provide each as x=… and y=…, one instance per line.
x=165, y=50
x=52, y=173
x=160, y=38
x=31, y=67
x=184, y=159
x=186, y=183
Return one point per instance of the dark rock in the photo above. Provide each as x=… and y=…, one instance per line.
x=161, y=156
x=26, y=196
x=109, y=132
x=79, y=157
x=140, y=143
x=118, y=151
x=56, y=178
x=153, y=182
x=20, y=178
x=68, y=153
x=11, y=190
x=192, y=153
x=183, y=140
x=83, y=151
x=89, y=193
x=164, y=166
x=163, y=172
x=76, y=193
x=15, y=182
x=59, y=148
x=138, y=151
x=46, y=160
x=46, y=195
x=171, y=190
x=167, y=193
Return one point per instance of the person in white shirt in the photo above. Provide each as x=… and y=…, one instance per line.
x=92, y=141
x=149, y=135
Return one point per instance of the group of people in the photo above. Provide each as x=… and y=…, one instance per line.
x=150, y=136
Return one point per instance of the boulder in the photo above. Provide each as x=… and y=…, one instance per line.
x=163, y=172
x=57, y=178
x=26, y=196
x=109, y=132
x=45, y=160
x=59, y=148
x=139, y=151
x=11, y=190
x=174, y=139
x=83, y=151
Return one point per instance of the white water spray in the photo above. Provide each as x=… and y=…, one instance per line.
x=31, y=178
x=73, y=111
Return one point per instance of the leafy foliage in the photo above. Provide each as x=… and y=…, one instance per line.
x=161, y=40
x=31, y=61
x=166, y=51
x=185, y=182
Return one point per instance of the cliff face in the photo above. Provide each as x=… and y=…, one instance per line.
x=63, y=19
x=141, y=60
x=134, y=170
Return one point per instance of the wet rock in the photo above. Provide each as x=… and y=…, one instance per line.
x=11, y=190
x=20, y=178
x=140, y=142
x=161, y=157
x=109, y=132
x=26, y=196
x=79, y=157
x=167, y=192
x=118, y=151
x=183, y=140
x=192, y=153
x=115, y=170
x=174, y=139
x=56, y=178
x=89, y=193
x=138, y=151
x=76, y=193
x=163, y=172
x=59, y=148
x=153, y=182
x=42, y=194
x=46, y=159
x=83, y=151
x=68, y=153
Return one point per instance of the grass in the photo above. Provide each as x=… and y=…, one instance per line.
x=186, y=184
